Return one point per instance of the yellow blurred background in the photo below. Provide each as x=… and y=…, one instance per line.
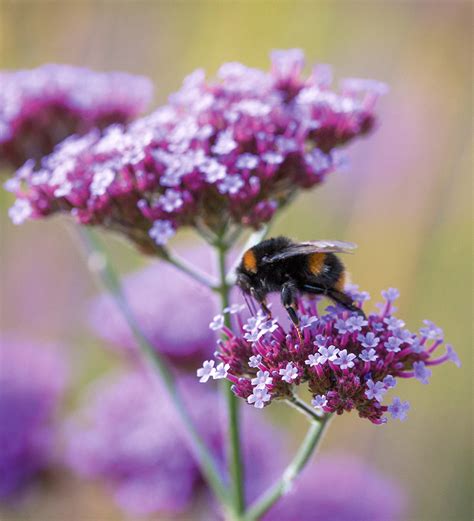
x=406, y=200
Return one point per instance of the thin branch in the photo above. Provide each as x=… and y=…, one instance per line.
x=234, y=445
x=190, y=270
x=301, y=406
x=284, y=484
x=97, y=260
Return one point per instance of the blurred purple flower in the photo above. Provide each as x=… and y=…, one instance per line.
x=172, y=310
x=127, y=435
x=340, y=488
x=232, y=150
x=40, y=107
x=32, y=382
x=348, y=359
x=399, y=409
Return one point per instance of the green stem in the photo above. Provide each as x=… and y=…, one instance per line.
x=191, y=271
x=98, y=261
x=284, y=484
x=234, y=449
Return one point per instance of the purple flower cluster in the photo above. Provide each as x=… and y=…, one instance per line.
x=127, y=434
x=348, y=361
x=40, y=107
x=156, y=295
x=32, y=382
x=227, y=151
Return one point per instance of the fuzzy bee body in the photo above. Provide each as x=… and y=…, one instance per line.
x=281, y=265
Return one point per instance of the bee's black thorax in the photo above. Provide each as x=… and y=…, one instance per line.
x=270, y=247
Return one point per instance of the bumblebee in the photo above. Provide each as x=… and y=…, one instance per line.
x=290, y=268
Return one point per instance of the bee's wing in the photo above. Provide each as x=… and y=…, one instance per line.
x=305, y=248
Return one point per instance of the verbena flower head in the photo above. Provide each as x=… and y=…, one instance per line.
x=40, y=107
x=32, y=382
x=347, y=361
x=172, y=310
x=127, y=435
x=340, y=488
x=226, y=151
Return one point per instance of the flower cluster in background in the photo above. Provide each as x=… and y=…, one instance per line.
x=32, y=383
x=41, y=107
x=172, y=310
x=348, y=361
x=127, y=434
x=340, y=487
x=227, y=151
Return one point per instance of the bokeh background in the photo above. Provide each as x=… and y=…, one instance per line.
x=406, y=200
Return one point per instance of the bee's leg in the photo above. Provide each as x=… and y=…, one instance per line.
x=338, y=296
x=288, y=299
x=315, y=289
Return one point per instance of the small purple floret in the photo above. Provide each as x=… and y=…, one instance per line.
x=259, y=397
x=431, y=330
x=329, y=353
x=452, y=355
x=389, y=381
x=369, y=340
x=391, y=294
x=375, y=390
x=398, y=409
x=319, y=401
x=393, y=344
x=345, y=359
x=368, y=355
x=422, y=373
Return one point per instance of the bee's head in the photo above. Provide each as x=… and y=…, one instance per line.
x=244, y=282
x=247, y=277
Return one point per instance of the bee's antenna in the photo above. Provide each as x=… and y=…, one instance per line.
x=250, y=303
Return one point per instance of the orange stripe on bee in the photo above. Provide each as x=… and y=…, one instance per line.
x=316, y=262
x=341, y=282
x=250, y=261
